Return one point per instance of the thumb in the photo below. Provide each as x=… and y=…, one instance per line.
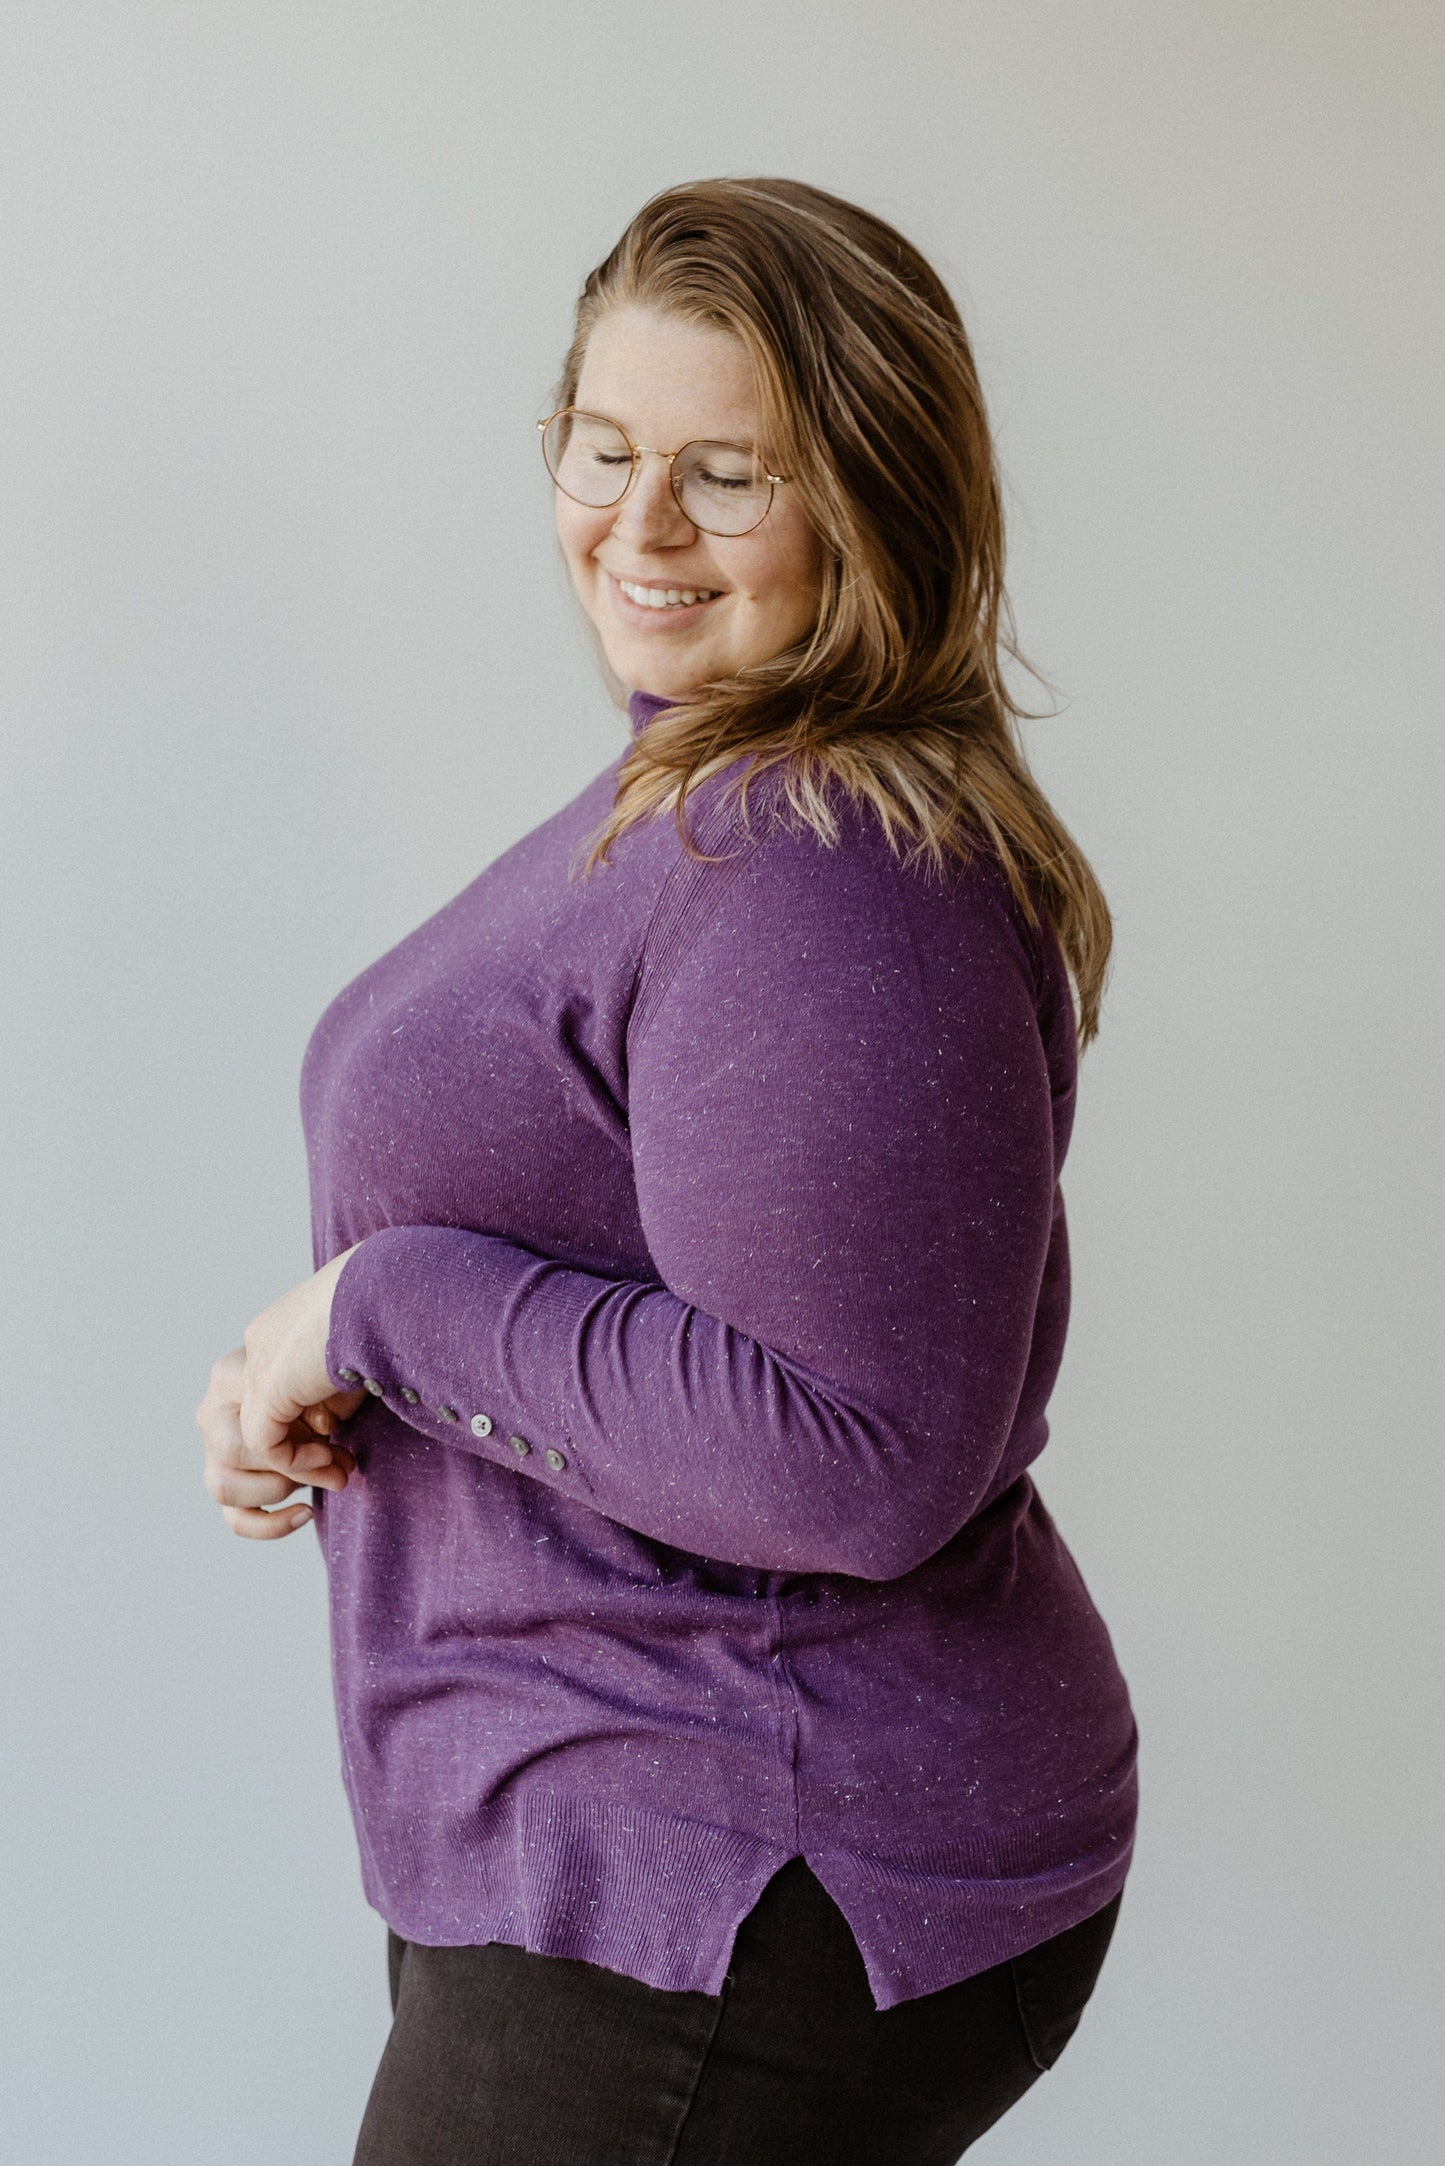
x=324, y=1416
x=266, y=1418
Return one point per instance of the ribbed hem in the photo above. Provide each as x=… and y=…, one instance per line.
x=919, y=1931
x=655, y=1896
x=660, y=1898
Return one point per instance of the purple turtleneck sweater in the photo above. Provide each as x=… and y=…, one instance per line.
x=711, y=1285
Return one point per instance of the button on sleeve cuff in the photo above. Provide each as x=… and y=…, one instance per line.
x=395, y=1316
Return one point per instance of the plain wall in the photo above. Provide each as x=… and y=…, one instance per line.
x=287, y=658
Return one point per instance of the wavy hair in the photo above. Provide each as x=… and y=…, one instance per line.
x=868, y=395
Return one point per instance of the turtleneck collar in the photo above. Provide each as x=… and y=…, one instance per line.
x=641, y=707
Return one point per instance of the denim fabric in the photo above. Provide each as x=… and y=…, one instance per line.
x=499, y=2057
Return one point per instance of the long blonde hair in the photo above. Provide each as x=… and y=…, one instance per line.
x=868, y=394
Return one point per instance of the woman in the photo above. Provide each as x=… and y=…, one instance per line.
x=736, y=1755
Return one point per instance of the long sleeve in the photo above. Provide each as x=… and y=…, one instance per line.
x=841, y=1123
x=706, y=1263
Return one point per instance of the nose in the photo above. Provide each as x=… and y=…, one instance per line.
x=649, y=516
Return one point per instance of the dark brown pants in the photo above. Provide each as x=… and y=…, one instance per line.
x=502, y=2058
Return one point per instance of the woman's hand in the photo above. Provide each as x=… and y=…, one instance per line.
x=245, y=1483
x=286, y=1361
x=270, y=1410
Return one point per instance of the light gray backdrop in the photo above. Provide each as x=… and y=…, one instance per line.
x=287, y=659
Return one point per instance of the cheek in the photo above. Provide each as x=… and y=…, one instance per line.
x=579, y=531
x=789, y=582
x=796, y=568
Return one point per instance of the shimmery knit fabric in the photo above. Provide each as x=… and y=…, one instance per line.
x=712, y=1283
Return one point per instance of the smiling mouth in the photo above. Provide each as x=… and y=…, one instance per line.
x=666, y=597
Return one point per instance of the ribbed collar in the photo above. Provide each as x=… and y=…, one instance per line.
x=641, y=707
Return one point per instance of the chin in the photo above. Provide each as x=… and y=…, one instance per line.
x=643, y=669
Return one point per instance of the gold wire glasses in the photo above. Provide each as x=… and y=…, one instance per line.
x=720, y=488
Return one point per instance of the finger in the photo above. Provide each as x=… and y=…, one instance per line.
x=265, y=1423
x=258, y=1526
x=307, y=1449
x=322, y=1419
x=336, y=1476
x=221, y=1430
x=326, y=1465
x=238, y=1485
x=223, y=1387
x=322, y=1465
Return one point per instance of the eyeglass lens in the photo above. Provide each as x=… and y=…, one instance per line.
x=721, y=488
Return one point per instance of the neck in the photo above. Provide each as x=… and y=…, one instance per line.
x=642, y=706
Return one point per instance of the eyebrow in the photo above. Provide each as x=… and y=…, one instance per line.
x=727, y=443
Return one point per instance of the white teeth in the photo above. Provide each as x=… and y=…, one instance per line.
x=666, y=597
